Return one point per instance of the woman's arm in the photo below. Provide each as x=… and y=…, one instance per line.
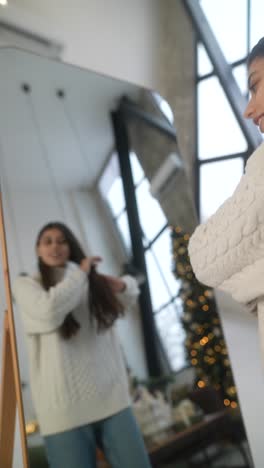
x=125, y=287
x=44, y=311
x=232, y=239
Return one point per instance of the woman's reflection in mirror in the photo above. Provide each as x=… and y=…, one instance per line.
x=77, y=373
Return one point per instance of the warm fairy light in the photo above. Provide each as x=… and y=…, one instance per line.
x=190, y=303
x=182, y=250
x=201, y=384
x=205, y=345
x=204, y=341
x=32, y=427
x=201, y=299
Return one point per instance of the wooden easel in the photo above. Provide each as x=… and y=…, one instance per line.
x=10, y=390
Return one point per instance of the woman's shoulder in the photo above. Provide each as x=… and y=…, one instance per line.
x=23, y=279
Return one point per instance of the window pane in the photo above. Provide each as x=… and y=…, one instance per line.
x=218, y=130
x=122, y=223
x=110, y=186
x=256, y=21
x=111, y=172
x=162, y=249
x=136, y=167
x=158, y=290
x=151, y=216
x=115, y=196
x=240, y=74
x=172, y=335
x=228, y=20
x=218, y=182
x=164, y=107
x=204, y=63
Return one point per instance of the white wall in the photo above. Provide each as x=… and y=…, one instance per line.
x=241, y=334
x=115, y=37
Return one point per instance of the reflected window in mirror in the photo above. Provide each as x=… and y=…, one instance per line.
x=156, y=236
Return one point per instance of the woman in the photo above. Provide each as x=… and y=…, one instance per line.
x=227, y=251
x=78, y=377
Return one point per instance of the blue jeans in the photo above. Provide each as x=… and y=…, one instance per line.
x=118, y=436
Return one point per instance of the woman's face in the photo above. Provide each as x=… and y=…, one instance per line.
x=53, y=248
x=255, y=107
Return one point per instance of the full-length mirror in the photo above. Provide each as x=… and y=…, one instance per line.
x=99, y=158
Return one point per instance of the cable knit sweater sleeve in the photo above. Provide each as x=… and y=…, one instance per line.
x=131, y=291
x=231, y=242
x=44, y=311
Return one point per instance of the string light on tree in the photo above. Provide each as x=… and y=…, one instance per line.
x=205, y=345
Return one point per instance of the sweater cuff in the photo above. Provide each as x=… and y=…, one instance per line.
x=131, y=291
x=74, y=269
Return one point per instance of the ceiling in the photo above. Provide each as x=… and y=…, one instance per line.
x=44, y=136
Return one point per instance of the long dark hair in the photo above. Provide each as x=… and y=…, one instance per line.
x=256, y=52
x=104, y=306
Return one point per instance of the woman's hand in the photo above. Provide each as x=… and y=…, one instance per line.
x=88, y=262
x=116, y=284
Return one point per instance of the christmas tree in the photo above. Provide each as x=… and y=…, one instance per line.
x=205, y=344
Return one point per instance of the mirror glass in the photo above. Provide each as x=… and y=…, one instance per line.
x=58, y=163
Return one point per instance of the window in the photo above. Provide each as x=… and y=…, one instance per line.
x=158, y=256
x=228, y=19
x=256, y=21
x=240, y=74
x=218, y=131
x=204, y=64
x=221, y=147
x=218, y=182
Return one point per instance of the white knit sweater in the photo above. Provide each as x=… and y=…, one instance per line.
x=227, y=252
x=76, y=381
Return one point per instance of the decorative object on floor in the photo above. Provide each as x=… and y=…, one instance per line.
x=186, y=412
x=153, y=413
x=205, y=345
